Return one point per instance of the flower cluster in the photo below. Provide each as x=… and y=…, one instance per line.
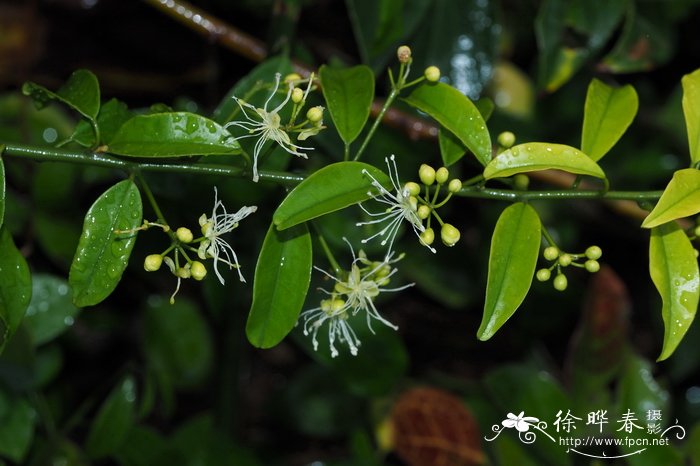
x=587, y=260
x=405, y=203
x=211, y=245
x=266, y=125
x=354, y=292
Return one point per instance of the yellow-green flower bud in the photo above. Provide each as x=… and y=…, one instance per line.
x=315, y=114
x=449, y=235
x=427, y=236
x=412, y=188
x=560, y=282
x=543, y=275
x=297, y=95
x=506, y=139
x=521, y=181
x=423, y=211
x=697, y=230
x=426, y=173
x=454, y=186
x=413, y=201
x=292, y=77
x=152, y=262
x=592, y=265
x=432, y=74
x=198, y=270
x=594, y=252
x=403, y=53
x=184, y=235
x=551, y=253
x=441, y=175
x=565, y=260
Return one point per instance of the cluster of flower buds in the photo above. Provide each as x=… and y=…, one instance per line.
x=587, y=260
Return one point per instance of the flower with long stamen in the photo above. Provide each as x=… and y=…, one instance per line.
x=401, y=206
x=266, y=125
x=213, y=228
x=354, y=292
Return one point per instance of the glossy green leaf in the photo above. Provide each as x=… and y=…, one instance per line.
x=535, y=156
x=349, y=93
x=451, y=148
x=102, y=254
x=454, y=111
x=113, y=422
x=51, y=310
x=175, y=134
x=15, y=287
x=282, y=278
x=607, y=115
x=674, y=270
x=80, y=92
x=2, y=187
x=178, y=341
x=113, y=114
x=331, y=188
x=251, y=85
x=16, y=428
x=691, y=110
x=681, y=198
x=515, y=246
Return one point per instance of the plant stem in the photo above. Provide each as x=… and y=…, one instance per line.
x=392, y=96
x=514, y=196
x=329, y=255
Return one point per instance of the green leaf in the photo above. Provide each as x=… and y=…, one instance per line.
x=331, y=188
x=514, y=249
x=681, y=198
x=535, y=156
x=349, y=93
x=81, y=92
x=16, y=428
x=691, y=110
x=51, y=310
x=282, y=278
x=113, y=422
x=250, y=85
x=2, y=187
x=112, y=116
x=457, y=113
x=674, y=271
x=451, y=148
x=175, y=134
x=178, y=341
x=102, y=254
x=607, y=115
x=15, y=287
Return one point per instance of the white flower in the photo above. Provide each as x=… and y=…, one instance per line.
x=213, y=227
x=267, y=125
x=520, y=422
x=401, y=206
x=352, y=294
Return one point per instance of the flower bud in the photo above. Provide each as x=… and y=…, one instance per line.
x=565, y=260
x=403, y=53
x=297, y=95
x=423, y=211
x=543, y=275
x=506, y=139
x=551, y=253
x=432, y=74
x=697, y=230
x=315, y=114
x=594, y=252
x=412, y=188
x=152, y=262
x=198, y=270
x=292, y=77
x=560, y=282
x=426, y=173
x=441, y=175
x=521, y=182
x=592, y=265
x=449, y=235
x=454, y=186
x=427, y=236
x=184, y=235
x=413, y=202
